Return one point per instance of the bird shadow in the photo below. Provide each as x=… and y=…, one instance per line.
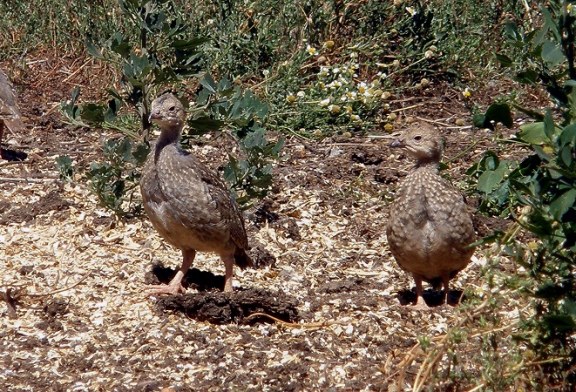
x=194, y=278
x=210, y=304
x=433, y=298
x=12, y=155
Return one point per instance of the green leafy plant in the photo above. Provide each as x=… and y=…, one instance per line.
x=223, y=103
x=539, y=192
x=65, y=167
x=114, y=179
x=155, y=48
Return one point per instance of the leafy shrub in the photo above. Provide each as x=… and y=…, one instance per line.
x=154, y=49
x=114, y=180
x=539, y=192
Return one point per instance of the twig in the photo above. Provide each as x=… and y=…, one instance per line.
x=359, y=144
x=8, y=163
x=30, y=180
x=59, y=290
x=78, y=70
x=287, y=324
x=407, y=108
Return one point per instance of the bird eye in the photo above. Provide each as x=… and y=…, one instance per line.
x=418, y=138
x=171, y=108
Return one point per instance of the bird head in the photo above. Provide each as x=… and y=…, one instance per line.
x=167, y=111
x=424, y=144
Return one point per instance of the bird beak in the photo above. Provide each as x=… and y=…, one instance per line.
x=153, y=116
x=397, y=143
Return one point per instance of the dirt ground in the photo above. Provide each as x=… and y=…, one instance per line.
x=327, y=309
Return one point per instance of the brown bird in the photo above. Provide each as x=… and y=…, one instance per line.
x=9, y=114
x=187, y=203
x=430, y=229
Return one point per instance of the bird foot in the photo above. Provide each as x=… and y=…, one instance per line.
x=420, y=304
x=170, y=289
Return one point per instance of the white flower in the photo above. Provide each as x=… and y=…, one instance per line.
x=429, y=54
x=301, y=94
x=334, y=109
x=411, y=11
x=354, y=55
x=362, y=87
x=355, y=118
x=324, y=102
x=311, y=50
x=335, y=70
x=266, y=73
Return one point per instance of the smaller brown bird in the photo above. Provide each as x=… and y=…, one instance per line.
x=187, y=203
x=9, y=114
x=430, y=229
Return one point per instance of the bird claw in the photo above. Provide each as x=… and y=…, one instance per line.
x=420, y=305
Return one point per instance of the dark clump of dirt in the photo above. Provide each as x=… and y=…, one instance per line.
x=53, y=310
x=367, y=157
x=387, y=176
x=342, y=286
x=264, y=213
x=262, y=257
x=236, y=307
x=51, y=202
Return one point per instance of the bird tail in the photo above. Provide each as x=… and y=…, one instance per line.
x=242, y=259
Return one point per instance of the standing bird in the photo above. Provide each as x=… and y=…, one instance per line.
x=430, y=229
x=9, y=114
x=187, y=203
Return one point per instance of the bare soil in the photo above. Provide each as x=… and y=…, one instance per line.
x=327, y=309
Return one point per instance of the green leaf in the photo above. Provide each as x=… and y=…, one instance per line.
x=549, y=124
x=64, y=163
x=552, y=53
x=528, y=76
x=205, y=123
x=504, y=60
x=533, y=133
x=188, y=44
x=566, y=156
x=141, y=153
x=255, y=139
x=208, y=83
x=497, y=113
x=562, y=204
x=93, y=50
x=491, y=179
x=568, y=135
x=93, y=113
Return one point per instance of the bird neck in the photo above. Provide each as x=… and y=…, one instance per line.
x=168, y=136
x=427, y=164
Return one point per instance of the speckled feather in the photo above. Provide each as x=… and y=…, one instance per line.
x=430, y=228
x=189, y=205
x=9, y=113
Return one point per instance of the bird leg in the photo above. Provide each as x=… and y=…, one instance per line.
x=175, y=285
x=446, y=284
x=420, y=303
x=229, y=271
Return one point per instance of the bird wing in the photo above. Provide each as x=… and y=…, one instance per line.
x=197, y=195
x=9, y=112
